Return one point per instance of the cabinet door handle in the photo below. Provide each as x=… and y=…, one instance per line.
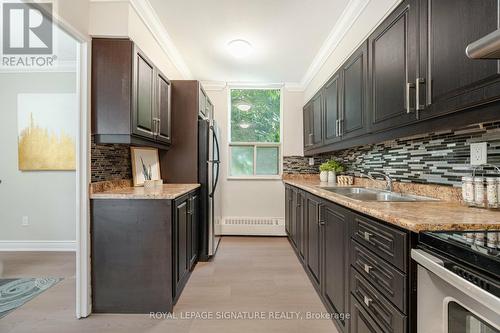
x=367, y=236
x=321, y=222
x=418, y=82
x=367, y=300
x=367, y=268
x=409, y=86
x=337, y=129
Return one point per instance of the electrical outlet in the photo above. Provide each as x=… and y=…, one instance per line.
x=25, y=221
x=311, y=161
x=478, y=153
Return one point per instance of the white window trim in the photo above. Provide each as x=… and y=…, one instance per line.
x=259, y=144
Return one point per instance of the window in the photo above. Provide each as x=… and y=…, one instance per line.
x=255, y=139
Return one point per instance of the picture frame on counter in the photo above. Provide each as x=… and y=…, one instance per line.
x=145, y=165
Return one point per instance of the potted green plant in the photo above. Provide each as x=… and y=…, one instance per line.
x=324, y=169
x=335, y=167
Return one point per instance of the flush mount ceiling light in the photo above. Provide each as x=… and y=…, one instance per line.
x=243, y=106
x=244, y=125
x=239, y=48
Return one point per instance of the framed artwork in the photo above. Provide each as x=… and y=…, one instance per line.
x=145, y=164
x=47, y=132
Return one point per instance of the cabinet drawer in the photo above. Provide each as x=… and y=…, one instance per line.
x=361, y=322
x=388, y=280
x=380, y=309
x=389, y=243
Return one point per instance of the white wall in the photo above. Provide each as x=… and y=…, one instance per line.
x=257, y=198
x=372, y=15
x=125, y=22
x=47, y=198
x=75, y=13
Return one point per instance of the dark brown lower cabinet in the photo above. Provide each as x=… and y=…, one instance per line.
x=185, y=226
x=297, y=223
x=314, y=237
x=141, y=252
x=359, y=266
x=335, y=220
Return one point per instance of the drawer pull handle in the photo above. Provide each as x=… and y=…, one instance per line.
x=367, y=300
x=367, y=268
x=367, y=236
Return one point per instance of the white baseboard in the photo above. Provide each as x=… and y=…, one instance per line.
x=253, y=226
x=16, y=246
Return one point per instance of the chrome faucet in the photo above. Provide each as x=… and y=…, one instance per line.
x=388, y=179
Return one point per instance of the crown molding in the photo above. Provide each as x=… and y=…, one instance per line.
x=350, y=14
x=294, y=86
x=153, y=23
x=214, y=85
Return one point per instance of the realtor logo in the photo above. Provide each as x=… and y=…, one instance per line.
x=27, y=28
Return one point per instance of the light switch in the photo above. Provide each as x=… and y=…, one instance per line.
x=478, y=153
x=311, y=161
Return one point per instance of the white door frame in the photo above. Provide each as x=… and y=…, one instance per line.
x=83, y=287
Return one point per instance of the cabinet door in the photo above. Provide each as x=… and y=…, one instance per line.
x=143, y=109
x=210, y=108
x=392, y=66
x=361, y=322
x=307, y=123
x=288, y=208
x=450, y=81
x=193, y=231
x=299, y=223
x=336, y=263
x=181, y=218
x=314, y=239
x=163, y=113
x=317, y=120
x=354, y=82
x=332, y=114
x=202, y=102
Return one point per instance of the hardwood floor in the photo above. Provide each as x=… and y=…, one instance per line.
x=248, y=275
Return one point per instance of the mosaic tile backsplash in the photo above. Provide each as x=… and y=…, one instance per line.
x=110, y=162
x=435, y=158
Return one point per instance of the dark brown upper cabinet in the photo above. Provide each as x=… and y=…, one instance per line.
x=307, y=126
x=164, y=109
x=411, y=77
x=333, y=112
x=354, y=72
x=130, y=96
x=448, y=80
x=392, y=49
x=313, y=122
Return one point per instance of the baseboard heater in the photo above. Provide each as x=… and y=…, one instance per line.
x=253, y=226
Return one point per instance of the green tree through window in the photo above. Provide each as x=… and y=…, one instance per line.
x=262, y=122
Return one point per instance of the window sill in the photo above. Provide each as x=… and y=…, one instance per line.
x=277, y=177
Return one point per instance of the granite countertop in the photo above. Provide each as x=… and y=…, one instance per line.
x=166, y=191
x=414, y=216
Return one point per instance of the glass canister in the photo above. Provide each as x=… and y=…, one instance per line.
x=468, y=190
x=479, y=192
x=492, y=192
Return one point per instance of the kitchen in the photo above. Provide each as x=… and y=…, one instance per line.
x=239, y=181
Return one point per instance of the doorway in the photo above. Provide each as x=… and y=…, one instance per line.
x=44, y=170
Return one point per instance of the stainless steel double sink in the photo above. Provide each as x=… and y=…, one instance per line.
x=373, y=194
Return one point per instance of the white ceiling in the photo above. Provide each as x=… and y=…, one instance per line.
x=286, y=35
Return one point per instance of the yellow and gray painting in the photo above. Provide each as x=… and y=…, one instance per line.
x=47, y=128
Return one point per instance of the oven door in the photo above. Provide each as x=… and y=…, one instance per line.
x=447, y=303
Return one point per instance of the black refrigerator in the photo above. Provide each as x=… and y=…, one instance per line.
x=209, y=173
